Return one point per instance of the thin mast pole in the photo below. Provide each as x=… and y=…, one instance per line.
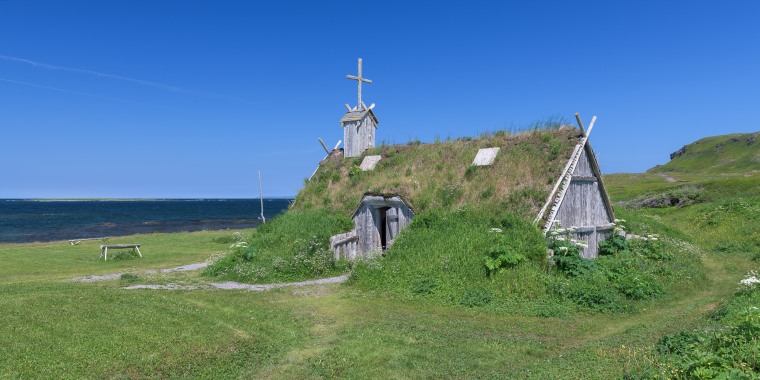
x=360, y=85
x=261, y=199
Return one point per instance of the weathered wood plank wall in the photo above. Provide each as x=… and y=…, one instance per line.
x=345, y=246
x=584, y=208
x=358, y=136
x=374, y=215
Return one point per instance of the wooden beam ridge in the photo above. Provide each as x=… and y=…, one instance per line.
x=580, y=122
x=564, y=182
x=557, y=184
x=323, y=145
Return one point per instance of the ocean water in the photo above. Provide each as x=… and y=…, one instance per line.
x=48, y=220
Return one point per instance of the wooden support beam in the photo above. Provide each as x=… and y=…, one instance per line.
x=580, y=123
x=323, y=145
x=591, y=125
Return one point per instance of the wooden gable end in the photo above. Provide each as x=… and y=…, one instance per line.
x=586, y=206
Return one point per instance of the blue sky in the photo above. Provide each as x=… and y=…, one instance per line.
x=131, y=98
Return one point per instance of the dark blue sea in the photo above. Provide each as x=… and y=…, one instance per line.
x=47, y=220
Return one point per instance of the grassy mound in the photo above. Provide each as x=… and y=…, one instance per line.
x=443, y=256
x=439, y=176
x=293, y=246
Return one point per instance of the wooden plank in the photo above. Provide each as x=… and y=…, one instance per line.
x=580, y=123
x=323, y=145
x=77, y=241
x=581, y=178
x=553, y=193
x=119, y=246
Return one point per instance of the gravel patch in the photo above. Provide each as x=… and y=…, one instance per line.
x=230, y=285
x=164, y=287
x=116, y=276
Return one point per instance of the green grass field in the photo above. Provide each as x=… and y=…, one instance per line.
x=51, y=327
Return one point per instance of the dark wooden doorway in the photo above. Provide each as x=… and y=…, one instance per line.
x=382, y=227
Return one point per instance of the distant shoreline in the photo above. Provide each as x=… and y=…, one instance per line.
x=29, y=220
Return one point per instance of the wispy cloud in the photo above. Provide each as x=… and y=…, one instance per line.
x=65, y=90
x=162, y=86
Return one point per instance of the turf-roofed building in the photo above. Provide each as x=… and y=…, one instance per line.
x=549, y=175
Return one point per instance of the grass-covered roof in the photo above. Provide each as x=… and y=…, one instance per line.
x=440, y=176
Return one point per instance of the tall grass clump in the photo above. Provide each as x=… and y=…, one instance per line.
x=293, y=246
x=728, y=350
x=626, y=270
x=442, y=255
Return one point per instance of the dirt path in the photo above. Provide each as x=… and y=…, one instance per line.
x=230, y=285
x=668, y=177
x=116, y=276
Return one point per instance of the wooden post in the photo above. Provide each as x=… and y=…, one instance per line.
x=261, y=199
x=323, y=145
x=359, y=79
x=580, y=123
x=590, y=126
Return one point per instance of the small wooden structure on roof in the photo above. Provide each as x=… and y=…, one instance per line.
x=359, y=123
x=358, y=131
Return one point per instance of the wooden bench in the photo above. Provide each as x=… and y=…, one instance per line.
x=77, y=241
x=104, y=249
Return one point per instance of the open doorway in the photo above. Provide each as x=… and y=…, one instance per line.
x=382, y=227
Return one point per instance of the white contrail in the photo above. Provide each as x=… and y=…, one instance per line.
x=122, y=78
x=65, y=91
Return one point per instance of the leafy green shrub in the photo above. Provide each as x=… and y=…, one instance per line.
x=637, y=286
x=728, y=352
x=592, y=290
x=634, y=270
x=612, y=245
x=501, y=258
x=567, y=254
x=293, y=246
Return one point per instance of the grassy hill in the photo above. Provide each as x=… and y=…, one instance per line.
x=720, y=173
x=718, y=166
x=726, y=154
x=439, y=175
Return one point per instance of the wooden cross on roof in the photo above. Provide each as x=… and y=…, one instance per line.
x=359, y=79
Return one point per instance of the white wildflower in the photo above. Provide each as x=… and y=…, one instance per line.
x=563, y=248
x=750, y=281
x=495, y=229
